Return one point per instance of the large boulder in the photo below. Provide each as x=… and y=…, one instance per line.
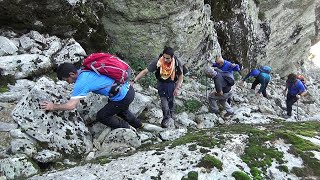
x=142, y=28
x=61, y=131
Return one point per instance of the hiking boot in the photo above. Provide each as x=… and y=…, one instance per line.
x=218, y=93
x=286, y=116
x=164, y=123
x=141, y=127
x=132, y=128
x=228, y=114
x=214, y=111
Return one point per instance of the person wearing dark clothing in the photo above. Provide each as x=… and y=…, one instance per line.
x=169, y=73
x=262, y=78
x=223, y=91
x=227, y=68
x=294, y=89
x=90, y=81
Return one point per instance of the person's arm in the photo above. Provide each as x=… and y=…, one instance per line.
x=70, y=105
x=246, y=77
x=285, y=90
x=178, y=84
x=236, y=67
x=141, y=75
x=302, y=89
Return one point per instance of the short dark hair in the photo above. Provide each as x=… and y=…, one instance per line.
x=169, y=51
x=64, y=70
x=292, y=78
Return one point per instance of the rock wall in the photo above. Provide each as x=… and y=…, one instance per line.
x=142, y=28
x=317, y=12
x=241, y=34
x=77, y=19
x=292, y=24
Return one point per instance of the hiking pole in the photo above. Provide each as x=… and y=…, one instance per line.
x=206, y=88
x=298, y=110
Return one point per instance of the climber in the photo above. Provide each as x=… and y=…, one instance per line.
x=169, y=72
x=222, y=93
x=228, y=68
x=262, y=76
x=90, y=81
x=294, y=90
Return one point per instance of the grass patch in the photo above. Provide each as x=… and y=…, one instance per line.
x=239, y=175
x=4, y=89
x=4, y=81
x=210, y=162
x=191, y=105
x=258, y=154
x=192, y=175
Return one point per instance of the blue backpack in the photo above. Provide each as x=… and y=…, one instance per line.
x=265, y=69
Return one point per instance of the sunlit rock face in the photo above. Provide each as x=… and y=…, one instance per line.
x=292, y=29
x=276, y=33
x=317, y=22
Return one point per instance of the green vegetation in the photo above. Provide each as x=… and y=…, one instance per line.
x=138, y=65
x=261, y=16
x=250, y=79
x=209, y=162
x=191, y=105
x=239, y=175
x=4, y=81
x=237, y=76
x=192, y=175
x=201, y=138
x=258, y=154
x=4, y=89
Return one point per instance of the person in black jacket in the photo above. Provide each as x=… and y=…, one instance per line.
x=169, y=72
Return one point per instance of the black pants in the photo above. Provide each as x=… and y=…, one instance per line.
x=165, y=91
x=124, y=117
x=264, y=90
x=290, y=101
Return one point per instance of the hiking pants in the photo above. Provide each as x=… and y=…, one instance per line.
x=165, y=91
x=222, y=100
x=124, y=117
x=263, y=88
x=290, y=101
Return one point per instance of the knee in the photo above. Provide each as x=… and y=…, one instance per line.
x=100, y=115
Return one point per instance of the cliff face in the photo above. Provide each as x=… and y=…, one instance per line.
x=241, y=34
x=292, y=24
x=142, y=28
x=250, y=32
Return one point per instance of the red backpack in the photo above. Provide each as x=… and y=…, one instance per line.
x=109, y=65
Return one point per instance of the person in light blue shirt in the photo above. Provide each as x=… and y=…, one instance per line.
x=120, y=96
x=262, y=78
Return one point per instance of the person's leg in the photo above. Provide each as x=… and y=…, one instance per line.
x=290, y=101
x=130, y=118
x=171, y=87
x=227, y=106
x=264, y=89
x=255, y=83
x=106, y=116
x=213, y=104
x=125, y=114
x=165, y=110
x=165, y=91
